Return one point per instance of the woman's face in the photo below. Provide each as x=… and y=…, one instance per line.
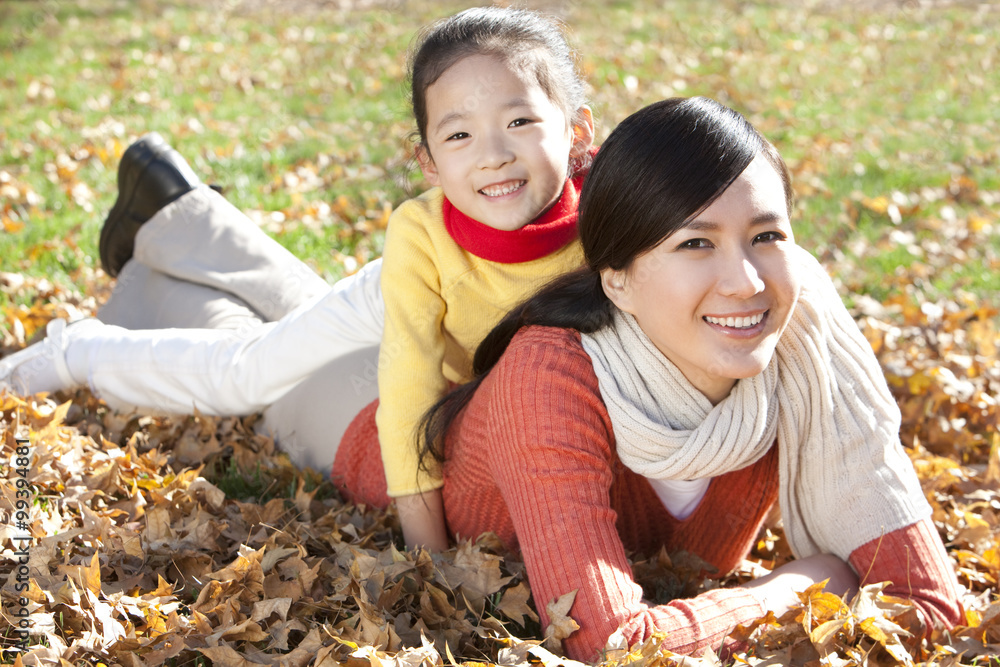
x=715, y=296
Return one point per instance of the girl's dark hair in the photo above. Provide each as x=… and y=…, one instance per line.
x=658, y=170
x=530, y=41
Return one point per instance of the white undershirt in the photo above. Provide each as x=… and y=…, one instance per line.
x=681, y=496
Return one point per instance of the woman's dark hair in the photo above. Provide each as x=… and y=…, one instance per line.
x=658, y=170
x=528, y=40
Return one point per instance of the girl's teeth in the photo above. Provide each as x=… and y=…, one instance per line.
x=736, y=322
x=500, y=190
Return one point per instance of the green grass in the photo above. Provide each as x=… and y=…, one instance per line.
x=260, y=485
x=864, y=100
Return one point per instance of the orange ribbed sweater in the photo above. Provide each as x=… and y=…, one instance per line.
x=532, y=458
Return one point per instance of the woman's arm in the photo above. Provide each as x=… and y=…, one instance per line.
x=914, y=560
x=779, y=590
x=550, y=454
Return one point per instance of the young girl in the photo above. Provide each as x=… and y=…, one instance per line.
x=700, y=368
x=505, y=134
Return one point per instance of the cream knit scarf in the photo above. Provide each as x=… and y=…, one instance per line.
x=844, y=477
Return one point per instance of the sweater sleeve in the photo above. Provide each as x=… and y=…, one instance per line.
x=914, y=561
x=410, y=376
x=552, y=457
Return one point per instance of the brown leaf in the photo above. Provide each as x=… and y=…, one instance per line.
x=263, y=609
x=225, y=656
x=514, y=604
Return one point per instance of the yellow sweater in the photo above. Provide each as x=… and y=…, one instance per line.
x=440, y=302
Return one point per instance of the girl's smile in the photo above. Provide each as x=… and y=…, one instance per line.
x=496, y=144
x=501, y=189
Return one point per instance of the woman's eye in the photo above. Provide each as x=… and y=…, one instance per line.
x=769, y=237
x=519, y=122
x=457, y=136
x=695, y=243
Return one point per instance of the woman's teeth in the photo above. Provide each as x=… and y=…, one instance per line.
x=736, y=322
x=502, y=189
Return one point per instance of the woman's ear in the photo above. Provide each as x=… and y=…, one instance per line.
x=583, y=132
x=427, y=166
x=616, y=287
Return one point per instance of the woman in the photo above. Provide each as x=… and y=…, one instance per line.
x=700, y=368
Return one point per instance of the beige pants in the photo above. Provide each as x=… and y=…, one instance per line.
x=211, y=313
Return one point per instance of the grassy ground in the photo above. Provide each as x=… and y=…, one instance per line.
x=886, y=113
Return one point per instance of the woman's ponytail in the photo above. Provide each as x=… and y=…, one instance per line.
x=574, y=300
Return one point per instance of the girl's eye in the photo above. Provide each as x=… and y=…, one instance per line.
x=769, y=237
x=457, y=136
x=519, y=122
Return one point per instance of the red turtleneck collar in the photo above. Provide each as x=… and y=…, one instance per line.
x=546, y=234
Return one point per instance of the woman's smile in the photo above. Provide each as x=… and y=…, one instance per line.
x=715, y=296
x=742, y=326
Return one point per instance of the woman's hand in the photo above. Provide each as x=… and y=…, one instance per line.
x=779, y=589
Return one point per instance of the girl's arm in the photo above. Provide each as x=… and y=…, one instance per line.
x=422, y=519
x=914, y=560
x=410, y=376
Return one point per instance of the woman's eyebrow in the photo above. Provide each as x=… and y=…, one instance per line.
x=761, y=219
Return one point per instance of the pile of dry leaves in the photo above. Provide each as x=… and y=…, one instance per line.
x=151, y=540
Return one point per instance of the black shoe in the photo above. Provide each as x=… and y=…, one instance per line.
x=150, y=176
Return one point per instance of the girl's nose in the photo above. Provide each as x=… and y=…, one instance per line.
x=740, y=277
x=495, y=152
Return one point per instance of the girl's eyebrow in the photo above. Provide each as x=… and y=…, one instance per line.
x=516, y=102
x=761, y=219
x=451, y=118
x=456, y=116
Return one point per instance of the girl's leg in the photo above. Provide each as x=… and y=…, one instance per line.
x=201, y=238
x=309, y=421
x=147, y=299
x=230, y=372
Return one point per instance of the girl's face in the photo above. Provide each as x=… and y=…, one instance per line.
x=496, y=144
x=715, y=296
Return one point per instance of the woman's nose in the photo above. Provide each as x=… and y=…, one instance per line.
x=741, y=277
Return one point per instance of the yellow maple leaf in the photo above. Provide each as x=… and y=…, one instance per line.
x=561, y=624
